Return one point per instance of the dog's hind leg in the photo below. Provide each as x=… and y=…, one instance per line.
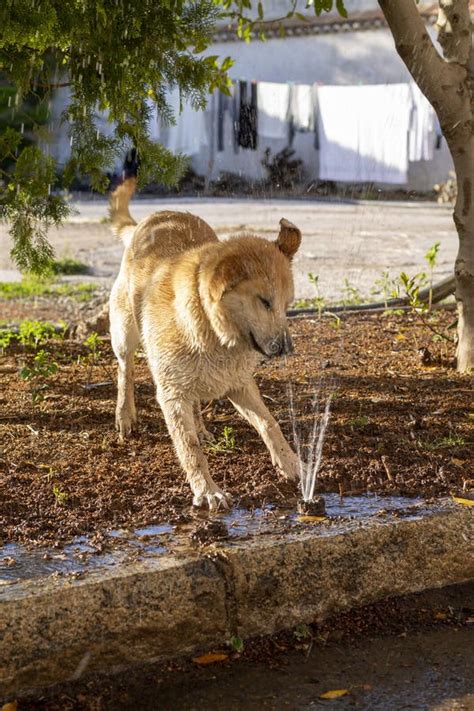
x=203, y=433
x=125, y=338
x=248, y=402
x=181, y=425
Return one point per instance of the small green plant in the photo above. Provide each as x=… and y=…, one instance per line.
x=432, y=257
x=93, y=354
x=302, y=632
x=318, y=301
x=411, y=287
x=359, y=422
x=336, y=322
x=448, y=442
x=60, y=496
x=237, y=644
x=384, y=286
x=7, y=336
x=92, y=344
x=37, y=374
x=34, y=333
x=226, y=442
x=351, y=295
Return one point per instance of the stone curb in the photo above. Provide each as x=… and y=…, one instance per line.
x=55, y=630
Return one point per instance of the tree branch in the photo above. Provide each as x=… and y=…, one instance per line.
x=454, y=30
x=443, y=83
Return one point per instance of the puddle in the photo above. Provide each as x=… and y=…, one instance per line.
x=82, y=556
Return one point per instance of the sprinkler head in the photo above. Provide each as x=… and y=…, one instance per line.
x=315, y=507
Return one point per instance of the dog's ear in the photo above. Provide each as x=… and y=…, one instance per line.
x=228, y=273
x=289, y=239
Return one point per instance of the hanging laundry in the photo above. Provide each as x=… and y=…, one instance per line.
x=246, y=126
x=273, y=109
x=190, y=134
x=223, y=105
x=227, y=115
x=422, y=137
x=363, y=133
x=302, y=107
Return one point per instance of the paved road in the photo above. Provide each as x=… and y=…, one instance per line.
x=424, y=671
x=354, y=241
x=431, y=671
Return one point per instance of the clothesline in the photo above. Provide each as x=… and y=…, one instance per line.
x=362, y=133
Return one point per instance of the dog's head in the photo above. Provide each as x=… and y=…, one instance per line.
x=247, y=288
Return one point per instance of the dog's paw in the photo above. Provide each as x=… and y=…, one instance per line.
x=213, y=499
x=124, y=424
x=289, y=468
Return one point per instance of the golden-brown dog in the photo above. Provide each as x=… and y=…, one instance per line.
x=205, y=312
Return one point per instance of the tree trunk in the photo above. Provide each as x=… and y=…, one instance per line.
x=464, y=268
x=448, y=84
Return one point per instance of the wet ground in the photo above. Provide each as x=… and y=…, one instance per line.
x=83, y=556
x=414, y=653
x=400, y=425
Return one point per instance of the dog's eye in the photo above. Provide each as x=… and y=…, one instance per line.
x=266, y=303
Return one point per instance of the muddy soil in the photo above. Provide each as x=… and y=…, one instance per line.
x=405, y=653
x=401, y=422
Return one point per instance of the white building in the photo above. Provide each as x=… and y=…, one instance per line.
x=327, y=50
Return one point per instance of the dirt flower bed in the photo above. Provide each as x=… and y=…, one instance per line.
x=401, y=422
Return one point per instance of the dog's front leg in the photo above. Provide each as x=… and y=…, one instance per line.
x=181, y=424
x=248, y=402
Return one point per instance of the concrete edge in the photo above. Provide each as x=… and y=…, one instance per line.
x=54, y=632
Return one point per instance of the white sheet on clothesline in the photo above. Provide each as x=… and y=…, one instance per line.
x=363, y=133
x=273, y=101
x=190, y=134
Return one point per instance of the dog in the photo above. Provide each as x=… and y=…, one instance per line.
x=206, y=312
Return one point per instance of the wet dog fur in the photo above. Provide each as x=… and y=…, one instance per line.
x=206, y=312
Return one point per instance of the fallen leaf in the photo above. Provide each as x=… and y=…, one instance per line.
x=464, y=502
x=211, y=658
x=334, y=694
x=12, y=706
x=440, y=616
x=400, y=337
x=314, y=519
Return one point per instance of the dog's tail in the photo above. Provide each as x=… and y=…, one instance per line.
x=123, y=224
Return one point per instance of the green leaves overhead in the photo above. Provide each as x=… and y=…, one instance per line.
x=110, y=55
x=113, y=56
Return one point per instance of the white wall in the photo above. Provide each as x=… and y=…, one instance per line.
x=365, y=57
